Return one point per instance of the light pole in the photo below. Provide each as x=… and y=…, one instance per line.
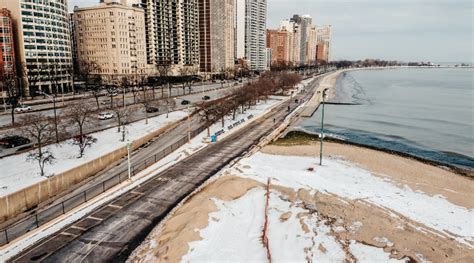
x=53, y=99
x=129, y=146
x=189, y=120
x=322, y=129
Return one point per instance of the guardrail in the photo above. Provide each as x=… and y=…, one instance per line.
x=40, y=218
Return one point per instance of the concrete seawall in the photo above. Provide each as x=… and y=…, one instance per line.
x=328, y=81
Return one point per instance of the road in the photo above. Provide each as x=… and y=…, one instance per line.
x=140, y=114
x=113, y=231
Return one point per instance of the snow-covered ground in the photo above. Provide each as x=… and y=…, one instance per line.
x=433, y=211
x=298, y=233
x=197, y=143
x=18, y=173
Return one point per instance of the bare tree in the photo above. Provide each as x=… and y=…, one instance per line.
x=89, y=73
x=164, y=70
x=123, y=115
x=208, y=114
x=9, y=84
x=80, y=114
x=148, y=104
x=170, y=104
x=41, y=129
x=125, y=85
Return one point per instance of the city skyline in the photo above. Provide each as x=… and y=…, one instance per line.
x=396, y=30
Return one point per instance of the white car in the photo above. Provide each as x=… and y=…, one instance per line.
x=22, y=108
x=106, y=116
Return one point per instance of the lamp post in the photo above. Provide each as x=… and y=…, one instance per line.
x=189, y=120
x=53, y=99
x=322, y=129
x=129, y=146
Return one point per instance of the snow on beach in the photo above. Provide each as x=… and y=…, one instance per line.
x=18, y=173
x=348, y=181
x=334, y=213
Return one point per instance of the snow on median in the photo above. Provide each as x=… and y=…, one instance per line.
x=18, y=173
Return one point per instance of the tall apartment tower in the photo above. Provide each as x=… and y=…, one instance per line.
x=295, y=42
x=112, y=35
x=323, y=39
x=279, y=41
x=72, y=27
x=42, y=45
x=7, y=50
x=304, y=23
x=172, y=33
x=250, y=27
x=216, y=35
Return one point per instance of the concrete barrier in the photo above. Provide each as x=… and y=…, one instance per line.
x=31, y=197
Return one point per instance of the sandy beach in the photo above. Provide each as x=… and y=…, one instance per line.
x=362, y=204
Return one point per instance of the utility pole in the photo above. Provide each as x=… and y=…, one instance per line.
x=129, y=146
x=322, y=129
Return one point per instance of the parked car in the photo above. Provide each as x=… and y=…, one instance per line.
x=152, y=109
x=105, y=102
x=185, y=102
x=106, y=116
x=14, y=141
x=206, y=98
x=22, y=108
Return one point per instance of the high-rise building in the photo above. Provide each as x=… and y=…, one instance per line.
x=75, y=64
x=42, y=45
x=7, y=50
x=250, y=27
x=111, y=35
x=295, y=42
x=323, y=38
x=280, y=41
x=216, y=35
x=311, y=46
x=172, y=33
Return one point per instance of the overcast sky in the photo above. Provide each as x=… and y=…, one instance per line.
x=409, y=30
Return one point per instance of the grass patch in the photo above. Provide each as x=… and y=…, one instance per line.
x=296, y=138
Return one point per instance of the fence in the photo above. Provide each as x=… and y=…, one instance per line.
x=39, y=218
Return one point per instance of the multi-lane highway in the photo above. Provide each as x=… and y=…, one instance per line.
x=214, y=91
x=112, y=231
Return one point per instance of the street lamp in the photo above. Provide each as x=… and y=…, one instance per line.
x=53, y=99
x=129, y=146
x=189, y=120
x=322, y=128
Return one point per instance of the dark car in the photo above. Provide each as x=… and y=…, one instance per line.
x=13, y=141
x=152, y=109
x=185, y=102
x=206, y=98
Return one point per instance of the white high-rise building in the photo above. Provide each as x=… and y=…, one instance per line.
x=172, y=33
x=42, y=45
x=250, y=32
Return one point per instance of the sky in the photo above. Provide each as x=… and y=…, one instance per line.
x=405, y=30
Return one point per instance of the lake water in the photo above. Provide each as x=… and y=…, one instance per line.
x=423, y=112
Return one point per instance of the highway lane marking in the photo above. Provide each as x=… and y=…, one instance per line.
x=78, y=227
x=115, y=206
x=95, y=218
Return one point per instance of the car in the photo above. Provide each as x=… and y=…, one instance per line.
x=206, y=98
x=185, y=102
x=106, y=116
x=105, y=102
x=152, y=109
x=22, y=107
x=14, y=141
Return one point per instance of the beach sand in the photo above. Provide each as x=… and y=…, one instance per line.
x=427, y=178
x=399, y=236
